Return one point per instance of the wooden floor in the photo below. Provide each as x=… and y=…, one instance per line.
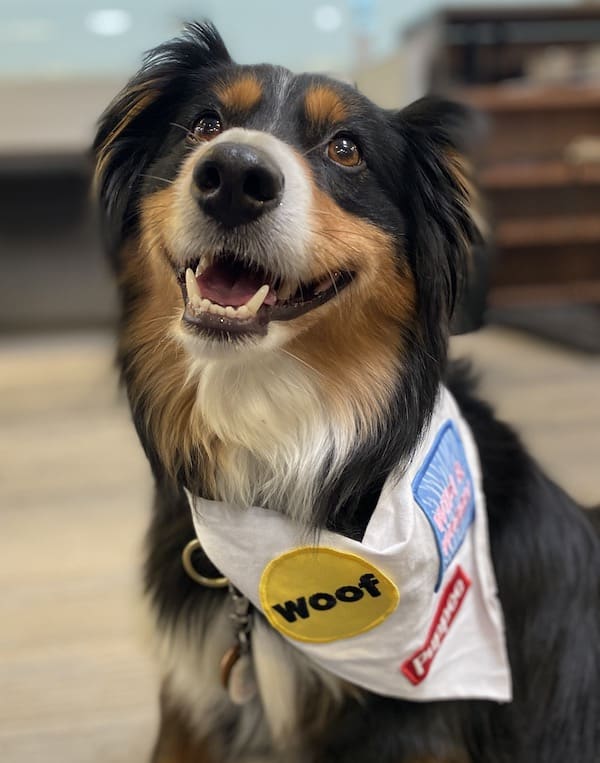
x=76, y=683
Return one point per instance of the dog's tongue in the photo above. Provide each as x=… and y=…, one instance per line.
x=231, y=286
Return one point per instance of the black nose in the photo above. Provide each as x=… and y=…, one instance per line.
x=236, y=183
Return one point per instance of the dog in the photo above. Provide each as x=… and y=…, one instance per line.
x=289, y=257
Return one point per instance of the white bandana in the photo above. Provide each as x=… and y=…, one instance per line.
x=411, y=611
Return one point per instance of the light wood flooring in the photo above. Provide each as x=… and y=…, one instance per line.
x=76, y=682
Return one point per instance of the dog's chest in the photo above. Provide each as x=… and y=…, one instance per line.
x=190, y=655
x=273, y=432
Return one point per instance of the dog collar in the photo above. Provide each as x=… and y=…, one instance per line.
x=410, y=611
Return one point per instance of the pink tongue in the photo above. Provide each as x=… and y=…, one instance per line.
x=225, y=287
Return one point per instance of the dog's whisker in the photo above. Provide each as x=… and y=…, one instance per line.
x=157, y=177
x=338, y=241
x=333, y=282
x=308, y=365
x=181, y=127
x=309, y=150
x=341, y=232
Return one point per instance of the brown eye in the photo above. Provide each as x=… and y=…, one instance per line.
x=208, y=126
x=343, y=150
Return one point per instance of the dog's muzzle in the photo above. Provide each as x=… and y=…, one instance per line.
x=245, y=212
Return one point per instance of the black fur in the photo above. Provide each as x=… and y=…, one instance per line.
x=167, y=75
x=545, y=551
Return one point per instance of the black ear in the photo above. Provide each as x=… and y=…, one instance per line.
x=134, y=125
x=443, y=218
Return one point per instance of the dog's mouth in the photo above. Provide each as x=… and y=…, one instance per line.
x=227, y=296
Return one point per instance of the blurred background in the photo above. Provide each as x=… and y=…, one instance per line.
x=77, y=676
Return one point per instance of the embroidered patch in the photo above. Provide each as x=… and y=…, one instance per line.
x=443, y=488
x=321, y=594
x=418, y=664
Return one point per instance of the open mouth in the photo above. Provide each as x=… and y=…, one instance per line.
x=228, y=296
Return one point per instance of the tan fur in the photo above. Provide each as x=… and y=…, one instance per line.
x=324, y=106
x=242, y=94
x=175, y=742
x=462, y=169
x=142, y=96
x=356, y=347
x=157, y=363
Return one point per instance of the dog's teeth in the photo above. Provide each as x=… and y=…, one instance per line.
x=254, y=304
x=193, y=290
x=284, y=292
x=203, y=305
x=199, y=268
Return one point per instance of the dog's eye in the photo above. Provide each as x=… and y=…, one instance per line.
x=343, y=150
x=207, y=126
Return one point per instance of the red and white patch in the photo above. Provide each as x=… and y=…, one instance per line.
x=417, y=666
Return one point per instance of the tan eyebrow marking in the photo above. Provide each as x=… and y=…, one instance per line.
x=323, y=105
x=242, y=94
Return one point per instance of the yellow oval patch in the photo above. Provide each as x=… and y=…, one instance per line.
x=322, y=594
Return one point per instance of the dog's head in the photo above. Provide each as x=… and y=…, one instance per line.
x=255, y=214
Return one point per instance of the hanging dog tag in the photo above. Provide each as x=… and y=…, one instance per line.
x=242, y=682
x=231, y=656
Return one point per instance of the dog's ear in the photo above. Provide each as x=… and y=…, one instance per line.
x=135, y=124
x=440, y=196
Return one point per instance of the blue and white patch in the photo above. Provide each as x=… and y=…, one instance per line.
x=443, y=488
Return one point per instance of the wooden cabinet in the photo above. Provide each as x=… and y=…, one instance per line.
x=540, y=173
x=535, y=73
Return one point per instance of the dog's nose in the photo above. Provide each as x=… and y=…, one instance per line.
x=236, y=183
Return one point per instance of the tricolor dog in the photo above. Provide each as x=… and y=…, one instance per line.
x=349, y=558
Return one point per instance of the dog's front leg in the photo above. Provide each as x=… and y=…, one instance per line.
x=175, y=742
x=382, y=730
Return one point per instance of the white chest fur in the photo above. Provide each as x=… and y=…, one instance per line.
x=276, y=431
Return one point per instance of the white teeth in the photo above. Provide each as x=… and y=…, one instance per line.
x=199, y=269
x=284, y=292
x=254, y=304
x=193, y=290
x=206, y=306
x=200, y=305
